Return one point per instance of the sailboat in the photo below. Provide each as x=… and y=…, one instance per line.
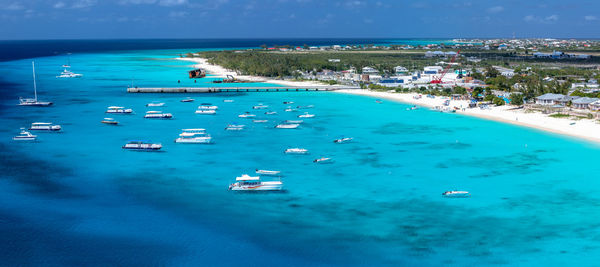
x=33, y=101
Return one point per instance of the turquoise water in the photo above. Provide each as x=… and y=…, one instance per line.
x=76, y=198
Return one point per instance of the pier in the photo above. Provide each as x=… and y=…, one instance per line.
x=234, y=89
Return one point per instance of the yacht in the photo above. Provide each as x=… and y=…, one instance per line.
x=142, y=146
x=206, y=111
x=253, y=183
x=287, y=126
x=33, y=101
x=228, y=100
x=342, y=140
x=155, y=104
x=247, y=115
x=306, y=115
x=260, y=106
x=157, y=115
x=119, y=110
x=208, y=106
x=69, y=74
x=456, y=194
x=260, y=121
x=267, y=172
x=109, y=121
x=323, y=160
x=234, y=127
x=25, y=136
x=188, y=99
x=271, y=112
x=296, y=151
x=44, y=126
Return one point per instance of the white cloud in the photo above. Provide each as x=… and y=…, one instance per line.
x=495, y=9
x=83, y=4
x=178, y=14
x=590, y=18
x=172, y=2
x=545, y=20
x=14, y=6
x=59, y=4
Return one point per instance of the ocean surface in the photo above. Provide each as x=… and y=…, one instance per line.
x=75, y=198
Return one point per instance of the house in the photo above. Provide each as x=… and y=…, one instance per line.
x=548, y=99
x=400, y=70
x=595, y=106
x=565, y=100
x=369, y=70
x=583, y=102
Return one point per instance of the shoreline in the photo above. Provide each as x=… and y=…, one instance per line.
x=582, y=129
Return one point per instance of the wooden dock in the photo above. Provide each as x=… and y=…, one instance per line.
x=233, y=89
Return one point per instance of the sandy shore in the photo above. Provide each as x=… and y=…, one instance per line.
x=584, y=129
x=219, y=71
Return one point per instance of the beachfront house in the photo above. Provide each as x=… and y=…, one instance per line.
x=565, y=100
x=548, y=99
x=583, y=102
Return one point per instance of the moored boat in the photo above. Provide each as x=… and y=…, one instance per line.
x=260, y=106
x=323, y=160
x=296, y=151
x=456, y=194
x=288, y=102
x=294, y=121
x=254, y=183
x=25, y=136
x=267, y=172
x=306, y=115
x=287, y=126
x=206, y=111
x=260, y=121
x=228, y=100
x=247, y=115
x=343, y=140
x=44, y=126
x=235, y=127
x=187, y=99
x=271, y=112
x=33, y=102
x=196, y=139
x=109, y=121
x=157, y=115
x=69, y=74
x=208, y=106
x=118, y=110
x=142, y=146
x=155, y=104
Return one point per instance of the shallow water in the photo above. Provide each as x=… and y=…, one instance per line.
x=76, y=198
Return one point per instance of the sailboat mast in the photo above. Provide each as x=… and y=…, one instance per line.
x=34, y=85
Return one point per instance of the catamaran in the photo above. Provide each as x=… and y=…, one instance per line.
x=33, y=101
x=44, y=126
x=25, y=136
x=253, y=183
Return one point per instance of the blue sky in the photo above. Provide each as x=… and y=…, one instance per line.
x=84, y=19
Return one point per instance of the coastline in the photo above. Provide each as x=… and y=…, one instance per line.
x=583, y=129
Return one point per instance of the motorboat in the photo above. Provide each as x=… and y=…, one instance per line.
x=44, y=126
x=343, y=140
x=208, y=106
x=254, y=183
x=260, y=106
x=296, y=151
x=271, y=112
x=206, y=111
x=234, y=127
x=456, y=194
x=69, y=74
x=294, y=121
x=287, y=126
x=306, y=115
x=119, y=110
x=33, y=102
x=194, y=139
x=267, y=172
x=155, y=104
x=260, y=121
x=247, y=115
x=288, y=102
x=157, y=115
x=25, y=136
x=142, y=146
x=187, y=99
x=109, y=121
x=228, y=100
x=323, y=160
x=290, y=109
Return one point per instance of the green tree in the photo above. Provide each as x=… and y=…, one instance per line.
x=516, y=99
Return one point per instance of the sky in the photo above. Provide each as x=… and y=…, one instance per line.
x=118, y=19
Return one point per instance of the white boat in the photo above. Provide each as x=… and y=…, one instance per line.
x=296, y=151
x=188, y=99
x=208, y=106
x=195, y=139
x=267, y=172
x=234, y=127
x=287, y=126
x=290, y=109
x=271, y=112
x=109, y=121
x=260, y=106
x=253, y=183
x=69, y=74
x=142, y=145
x=260, y=121
x=247, y=115
x=323, y=160
x=25, y=136
x=456, y=194
x=33, y=101
x=44, y=126
x=119, y=110
x=155, y=104
x=306, y=115
x=228, y=100
x=157, y=115
x=206, y=111
x=343, y=140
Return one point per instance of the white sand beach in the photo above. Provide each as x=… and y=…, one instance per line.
x=581, y=128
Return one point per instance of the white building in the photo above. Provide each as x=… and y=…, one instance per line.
x=432, y=70
x=369, y=70
x=400, y=69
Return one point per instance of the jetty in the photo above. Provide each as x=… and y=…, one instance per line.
x=234, y=89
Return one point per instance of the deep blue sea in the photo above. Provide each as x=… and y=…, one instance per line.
x=75, y=198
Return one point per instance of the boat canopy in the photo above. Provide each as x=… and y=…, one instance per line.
x=41, y=123
x=247, y=177
x=115, y=107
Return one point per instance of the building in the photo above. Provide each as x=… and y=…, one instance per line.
x=583, y=102
x=369, y=70
x=595, y=106
x=432, y=70
x=400, y=70
x=548, y=99
x=565, y=100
